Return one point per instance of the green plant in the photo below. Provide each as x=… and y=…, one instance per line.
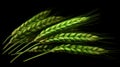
x=42, y=33
x=40, y=16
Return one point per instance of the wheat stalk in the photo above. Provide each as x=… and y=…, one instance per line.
x=13, y=46
x=23, y=52
x=25, y=40
x=21, y=41
x=38, y=48
x=75, y=49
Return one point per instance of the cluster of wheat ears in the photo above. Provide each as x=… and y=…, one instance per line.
x=45, y=33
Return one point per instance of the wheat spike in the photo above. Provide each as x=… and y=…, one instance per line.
x=51, y=29
x=34, y=19
x=37, y=26
x=62, y=26
x=40, y=48
x=75, y=49
x=70, y=38
x=79, y=49
x=45, y=23
x=56, y=27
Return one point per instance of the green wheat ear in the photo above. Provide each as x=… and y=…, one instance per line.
x=75, y=49
x=33, y=28
x=38, y=26
x=32, y=20
x=71, y=38
x=64, y=25
x=42, y=30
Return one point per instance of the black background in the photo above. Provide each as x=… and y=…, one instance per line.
x=13, y=14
